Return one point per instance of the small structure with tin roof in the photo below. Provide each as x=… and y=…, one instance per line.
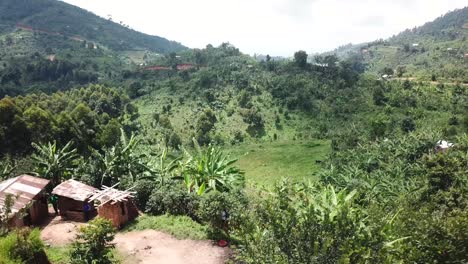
x=30, y=202
x=73, y=200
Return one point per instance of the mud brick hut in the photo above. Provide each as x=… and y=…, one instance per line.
x=115, y=205
x=72, y=198
x=30, y=201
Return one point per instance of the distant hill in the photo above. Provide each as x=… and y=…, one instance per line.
x=49, y=45
x=61, y=18
x=438, y=49
x=448, y=27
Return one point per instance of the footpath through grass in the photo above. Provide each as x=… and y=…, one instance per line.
x=266, y=163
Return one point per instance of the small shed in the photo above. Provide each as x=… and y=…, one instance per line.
x=115, y=205
x=73, y=196
x=30, y=202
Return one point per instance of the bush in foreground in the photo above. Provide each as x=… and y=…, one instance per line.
x=92, y=244
x=22, y=246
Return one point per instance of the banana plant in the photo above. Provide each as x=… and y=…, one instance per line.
x=54, y=163
x=210, y=169
x=120, y=161
x=6, y=169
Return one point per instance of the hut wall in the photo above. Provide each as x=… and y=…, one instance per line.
x=39, y=210
x=114, y=213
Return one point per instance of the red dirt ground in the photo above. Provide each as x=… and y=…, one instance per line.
x=144, y=247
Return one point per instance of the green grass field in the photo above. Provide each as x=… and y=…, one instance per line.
x=181, y=227
x=58, y=255
x=266, y=163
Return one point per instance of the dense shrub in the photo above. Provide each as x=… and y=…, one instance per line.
x=93, y=243
x=88, y=116
x=22, y=246
x=312, y=224
x=437, y=235
x=212, y=206
x=174, y=199
x=446, y=170
x=143, y=189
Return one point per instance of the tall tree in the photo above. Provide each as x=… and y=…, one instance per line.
x=300, y=58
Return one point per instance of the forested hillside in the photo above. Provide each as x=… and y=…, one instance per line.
x=233, y=99
x=435, y=51
x=49, y=45
x=57, y=17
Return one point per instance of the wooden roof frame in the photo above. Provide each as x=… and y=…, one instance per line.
x=110, y=194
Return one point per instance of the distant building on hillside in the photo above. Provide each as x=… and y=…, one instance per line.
x=182, y=67
x=320, y=64
x=415, y=44
x=387, y=76
x=443, y=145
x=156, y=68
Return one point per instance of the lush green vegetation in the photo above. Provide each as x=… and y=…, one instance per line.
x=22, y=246
x=434, y=51
x=93, y=243
x=91, y=117
x=378, y=203
x=58, y=255
x=69, y=21
x=266, y=163
x=366, y=184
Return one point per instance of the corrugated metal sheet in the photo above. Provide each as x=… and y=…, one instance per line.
x=74, y=190
x=24, y=188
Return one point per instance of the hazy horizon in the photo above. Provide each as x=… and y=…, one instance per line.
x=276, y=27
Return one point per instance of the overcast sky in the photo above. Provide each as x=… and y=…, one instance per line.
x=275, y=27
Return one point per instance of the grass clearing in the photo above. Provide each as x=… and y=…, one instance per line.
x=181, y=227
x=61, y=255
x=266, y=163
x=58, y=255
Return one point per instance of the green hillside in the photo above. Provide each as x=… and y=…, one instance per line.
x=48, y=45
x=434, y=51
x=61, y=18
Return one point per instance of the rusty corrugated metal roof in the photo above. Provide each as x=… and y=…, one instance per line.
x=24, y=188
x=74, y=190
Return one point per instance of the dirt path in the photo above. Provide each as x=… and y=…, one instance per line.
x=151, y=246
x=143, y=247
x=414, y=79
x=56, y=232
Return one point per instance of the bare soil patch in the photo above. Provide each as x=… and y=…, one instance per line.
x=143, y=247
x=58, y=232
x=150, y=246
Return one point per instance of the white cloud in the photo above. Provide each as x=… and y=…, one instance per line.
x=277, y=27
